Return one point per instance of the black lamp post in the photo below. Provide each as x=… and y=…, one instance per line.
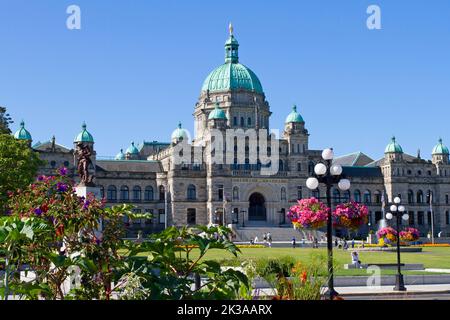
x=328, y=174
x=398, y=209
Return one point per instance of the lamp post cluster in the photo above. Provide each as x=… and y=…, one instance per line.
x=328, y=174
x=398, y=210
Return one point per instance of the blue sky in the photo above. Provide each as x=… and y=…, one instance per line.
x=136, y=68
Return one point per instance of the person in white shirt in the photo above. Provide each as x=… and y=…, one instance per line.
x=355, y=259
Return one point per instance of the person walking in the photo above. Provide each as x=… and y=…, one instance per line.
x=265, y=238
x=353, y=243
x=294, y=243
x=256, y=239
x=269, y=239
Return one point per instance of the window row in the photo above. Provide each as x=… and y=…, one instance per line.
x=123, y=193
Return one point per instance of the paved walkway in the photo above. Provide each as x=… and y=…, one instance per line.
x=411, y=289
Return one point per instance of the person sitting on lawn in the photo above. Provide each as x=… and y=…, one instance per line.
x=355, y=260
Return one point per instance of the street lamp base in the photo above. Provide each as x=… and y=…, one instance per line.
x=331, y=294
x=399, y=283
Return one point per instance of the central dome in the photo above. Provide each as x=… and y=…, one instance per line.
x=232, y=75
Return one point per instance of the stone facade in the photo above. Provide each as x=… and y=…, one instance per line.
x=205, y=192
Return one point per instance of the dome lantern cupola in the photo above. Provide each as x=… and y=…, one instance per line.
x=232, y=75
x=393, y=147
x=231, y=47
x=132, y=152
x=179, y=134
x=294, y=116
x=393, y=151
x=440, y=149
x=84, y=135
x=22, y=133
x=120, y=155
x=217, y=113
x=440, y=154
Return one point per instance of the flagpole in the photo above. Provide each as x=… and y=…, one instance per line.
x=432, y=218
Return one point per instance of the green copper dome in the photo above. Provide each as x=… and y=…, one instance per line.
x=294, y=116
x=120, y=155
x=393, y=147
x=84, y=135
x=132, y=149
x=440, y=148
x=232, y=75
x=179, y=133
x=22, y=133
x=217, y=113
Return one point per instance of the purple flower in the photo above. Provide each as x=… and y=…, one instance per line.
x=61, y=187
x=38, y=211
x=86, y=205
x=63, y=171
x=41, y=178
x=8, y=212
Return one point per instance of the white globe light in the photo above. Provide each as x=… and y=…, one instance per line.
x=397, y=200
x=405, y=217
x=344, y=184
x=328, y=154
x=394, y=208
x=312, y=183
x=389, y=216
x=401, y=208
x=320, y=169
x=336, y=170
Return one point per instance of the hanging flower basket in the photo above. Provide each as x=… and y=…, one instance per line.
x=308, y=214
x=388, y=234
x=350, y=215
x=409, y=235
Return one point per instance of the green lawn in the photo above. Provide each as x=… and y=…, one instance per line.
x=430, y=257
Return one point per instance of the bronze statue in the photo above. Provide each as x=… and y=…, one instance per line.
x=83, y=155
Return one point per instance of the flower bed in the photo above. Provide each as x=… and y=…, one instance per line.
x=308, y=214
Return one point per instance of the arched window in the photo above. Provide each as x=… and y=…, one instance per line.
x=357, y=195
x=235, y=193
x=419, y=196
x=367, y=197
x=336, y=196
x=112, y=193
x=429, y=196
x=281, y=165
x=249, y=122
x=235, y=121
x=136, y=193
x=191, y=192
x=410, y=196
x=162, y=193
x=283, y=193
x=242, y=122
x=124, y=193
x=148, y=193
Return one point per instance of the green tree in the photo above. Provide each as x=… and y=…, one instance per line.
x=5, y=120
x=18, y=166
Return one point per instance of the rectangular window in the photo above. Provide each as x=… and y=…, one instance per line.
x=378, y=216
x=162, y=216
x=411, y=218
x=446, y=199
x=220, y=193
x=447, y=218
x=420, y=217
x=299, y=166
x=299, y=193
x=191, y=217
x=149, y=221
x=429, y=217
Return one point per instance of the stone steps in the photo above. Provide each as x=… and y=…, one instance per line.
x=245, y=234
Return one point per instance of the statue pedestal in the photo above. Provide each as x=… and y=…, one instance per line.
x=83, y=191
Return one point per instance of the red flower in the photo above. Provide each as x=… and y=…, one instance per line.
x=59, y=230
x=304, y=277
